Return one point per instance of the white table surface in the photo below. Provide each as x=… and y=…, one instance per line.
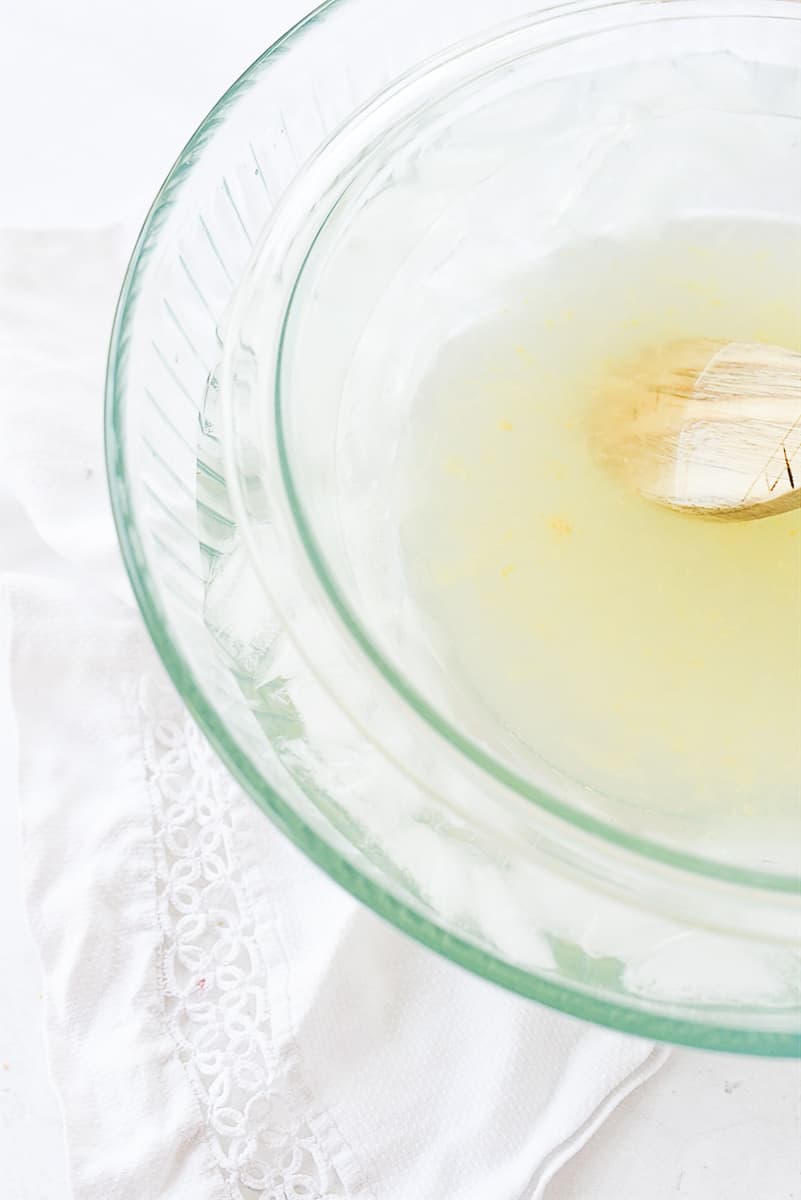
x=96, y=98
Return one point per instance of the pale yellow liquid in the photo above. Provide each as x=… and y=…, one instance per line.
x=651, y=656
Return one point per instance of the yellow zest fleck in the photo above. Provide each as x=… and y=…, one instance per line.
x=561, y=526
x=505, y=426
x=507, y=570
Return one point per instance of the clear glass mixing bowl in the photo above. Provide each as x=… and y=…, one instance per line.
x=350, y=203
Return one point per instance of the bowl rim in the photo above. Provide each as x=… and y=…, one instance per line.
x=569, y=999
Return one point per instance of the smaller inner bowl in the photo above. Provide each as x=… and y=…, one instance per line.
x=545, y=206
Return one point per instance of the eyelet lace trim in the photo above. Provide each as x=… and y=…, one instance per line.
x=257, y=1114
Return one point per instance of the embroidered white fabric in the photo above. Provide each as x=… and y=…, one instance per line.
x=223, y=1022
x=214, y=975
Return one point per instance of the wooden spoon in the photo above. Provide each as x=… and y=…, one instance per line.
x=707, y=427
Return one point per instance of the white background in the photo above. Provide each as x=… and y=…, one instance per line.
x=96, y=99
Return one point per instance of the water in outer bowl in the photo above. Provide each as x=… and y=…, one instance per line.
x=650, y=656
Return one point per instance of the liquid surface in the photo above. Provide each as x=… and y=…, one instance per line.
x=652, y=657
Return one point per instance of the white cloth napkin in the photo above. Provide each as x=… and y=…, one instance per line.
x=223, y=1022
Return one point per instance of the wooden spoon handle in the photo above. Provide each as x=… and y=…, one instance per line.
x=754, y=392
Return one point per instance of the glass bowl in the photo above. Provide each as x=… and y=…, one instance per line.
x=353, y=200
